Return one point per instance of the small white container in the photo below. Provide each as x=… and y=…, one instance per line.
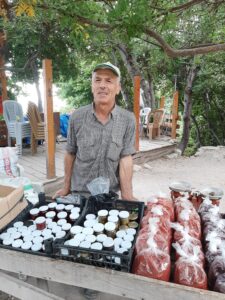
x=89, y=223
x=73, y=216
x=66, y=226
x=125, y=244
x=22, y=228
x=128, y=237
x=5, y=235
x=18, y=224
x=62, y=215
x=114, y=212
x=113, y=219
x=28, y=238
x=52, y=205
x=60, y=234
x=36, y=247
x=56, y=229
x=40, y=223
x=76, y=229
x=102, y=216
x=101, y=238
x=69, y=207
x=88, y=231
x=11, y=230
x=50, y=215
x=124, y=217
x=85, y=244
x=90, y=238
x=34, y=212
x=61, y=222
x=80, y=237
x=52, y=225
x=43, y=209
x=108, y=244
x=46, y=237
x=46, y=231
x=17, y=243
x=36, y=233
x=8, y=242
x=60, y=207
x=131, y=231
x=16, y=235
x=37, y=239
x=90, y=217
x=32, y=228
x=121, y=250
x=73, y=243
x=118, y=241
x=98, y=228
x=121, y=233
x=75, y=210
x=96, y=246
x=25, y=232
x=110, y=226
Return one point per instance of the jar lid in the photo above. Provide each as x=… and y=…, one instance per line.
x=16, y=235
x=118, y=241
x=60, y=207
x=73, y=243
x=36, y=247
x=8, y=242
x=66, y=226
x=131, y=231
x=11, y=230
x=56, y=229
x=120, y=233
x=61, y=222
x=75, y=209
x=69, y=207
x=113, y=219
x=103, y=213
x=36, y=233
x=40, y=220
x=85, y=244
x=62, y=215
x=28, y=238
x=101, y=237
x=17, y=243
x=22, y=228
x=90, y=223
x=52, y=205
x=96, y=246
x=123, y=214
x=90, y=238
x=38, y=239
x=98, y=227
x=128, y=237
x=34, y=211
x=80, y=237
x=26, y=245
x=5, y=235
x=74, y=216
x=121, y=250
x=88, y=230
x=32, y=228
x=110, y=226
x=76, y=229
x=108, y=243
x=50, y=214
x=90, y=217
x=43, y=208
x=114, y=212
x=25, y=232
x=52, y=225
x=18, y=224
x=180, y=186
x=60, y=234
x=46, y=237
x=126, y=244
x=212, y=192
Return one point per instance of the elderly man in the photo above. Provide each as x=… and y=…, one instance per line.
x=100, y=139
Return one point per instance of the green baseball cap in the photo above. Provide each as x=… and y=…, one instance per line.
x=108, y=66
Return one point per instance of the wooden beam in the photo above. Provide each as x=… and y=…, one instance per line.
x=22, y=290
x=100, y=279
x=174, y=115
x=3, y=78
x=49, y=120
x=162, y=102
x=137, y=86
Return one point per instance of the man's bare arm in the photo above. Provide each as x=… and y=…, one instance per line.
x=68, y=170
x=125, y=175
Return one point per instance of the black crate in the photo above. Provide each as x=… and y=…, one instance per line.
x=25, y=217
x=101, y=258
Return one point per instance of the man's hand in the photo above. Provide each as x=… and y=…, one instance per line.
x=61, y=193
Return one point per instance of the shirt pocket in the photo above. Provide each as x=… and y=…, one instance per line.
x=115, y=149
x=86, y=151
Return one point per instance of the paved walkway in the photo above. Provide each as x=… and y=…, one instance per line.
x=35, y=166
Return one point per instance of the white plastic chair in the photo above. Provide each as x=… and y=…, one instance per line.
x=17, y=127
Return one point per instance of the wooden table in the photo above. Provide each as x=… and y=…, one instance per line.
x=76, y=275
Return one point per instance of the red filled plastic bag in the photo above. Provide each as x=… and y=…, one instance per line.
x=152, y=263
x=167, y=203
x=158, y=225
x=181, y=234
x=190, y=273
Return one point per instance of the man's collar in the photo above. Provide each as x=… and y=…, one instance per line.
x=112, y=113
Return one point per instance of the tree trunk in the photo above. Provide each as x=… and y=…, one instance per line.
x=187, y=107
x=132, y=68
x=36, y=81
x=3, y=79
x=198, y=133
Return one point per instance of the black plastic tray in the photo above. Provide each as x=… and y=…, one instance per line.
x=101, y=258
x=25, y=216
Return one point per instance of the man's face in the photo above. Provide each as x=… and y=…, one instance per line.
x=105, y=87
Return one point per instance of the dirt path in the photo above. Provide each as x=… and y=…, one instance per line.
x=207, y=168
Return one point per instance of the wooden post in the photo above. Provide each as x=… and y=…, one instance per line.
x=49, y=121
x=3, y=79
x=137, y=85
x=162, y=102
x=174, y=115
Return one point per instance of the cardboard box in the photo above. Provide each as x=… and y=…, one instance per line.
x=11, y=204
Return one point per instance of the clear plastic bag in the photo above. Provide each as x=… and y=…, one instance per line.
x=99, y=185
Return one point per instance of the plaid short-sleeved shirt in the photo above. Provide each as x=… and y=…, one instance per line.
x=98, y=148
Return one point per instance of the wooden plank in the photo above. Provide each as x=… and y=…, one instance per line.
x=174, y=115
x=23, y=290
x=162, y=102
x=100, y=279
x=3, y=78
x=137, y=85
x=49, y=120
